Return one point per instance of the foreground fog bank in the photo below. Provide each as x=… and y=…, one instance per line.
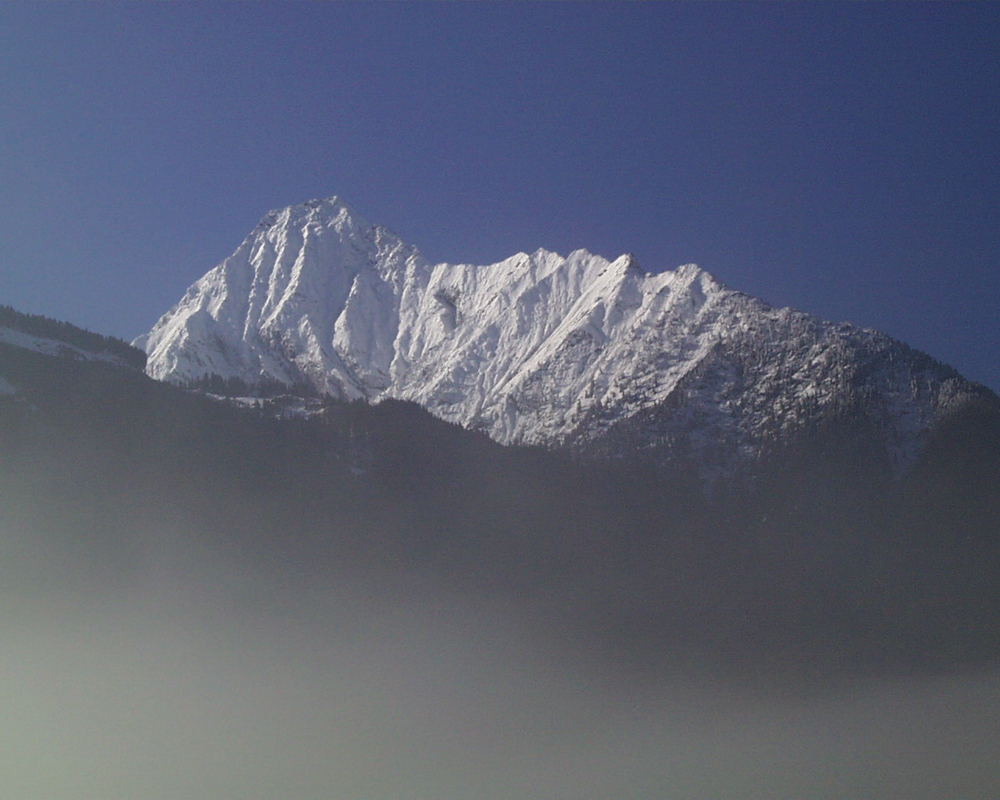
x=180, y=688
x=201, y=602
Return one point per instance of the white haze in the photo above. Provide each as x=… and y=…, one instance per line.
x=200, y=679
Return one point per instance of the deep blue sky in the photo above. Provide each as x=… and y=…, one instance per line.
x=841, y=159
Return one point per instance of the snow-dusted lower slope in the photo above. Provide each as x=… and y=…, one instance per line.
x=56, y=347
x=538, y=348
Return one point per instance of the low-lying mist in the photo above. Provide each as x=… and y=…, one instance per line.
x=197, y=674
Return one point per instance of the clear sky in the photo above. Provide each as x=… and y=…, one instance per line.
x=839, y=158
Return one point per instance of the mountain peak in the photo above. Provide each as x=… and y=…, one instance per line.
x=327, y=218
x=538, y=348
x=320, y=208
x=630, y=263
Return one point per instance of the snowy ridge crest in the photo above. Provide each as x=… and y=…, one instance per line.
x=538, y=348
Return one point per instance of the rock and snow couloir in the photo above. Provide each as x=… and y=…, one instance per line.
x=538, y=348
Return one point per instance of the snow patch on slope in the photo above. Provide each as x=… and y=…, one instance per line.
x=54, y=347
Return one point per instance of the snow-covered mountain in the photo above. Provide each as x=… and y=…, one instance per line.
x=541, y=348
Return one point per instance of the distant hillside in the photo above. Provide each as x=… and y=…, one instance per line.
x=87, y=341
